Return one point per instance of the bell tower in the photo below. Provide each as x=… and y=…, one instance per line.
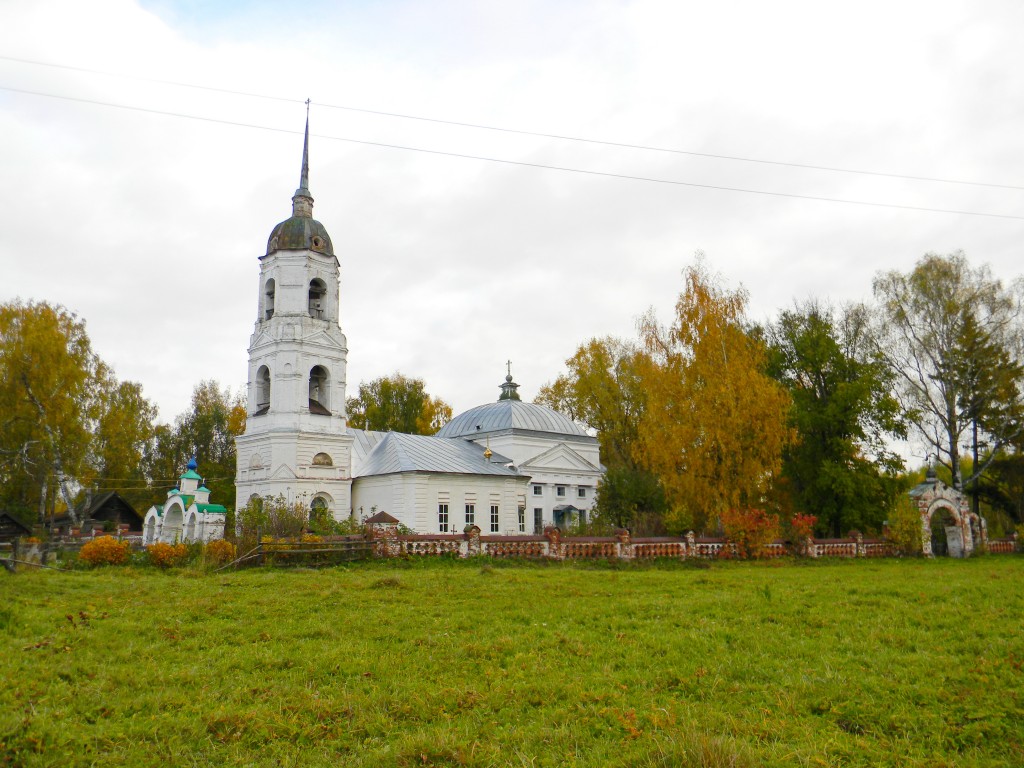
x=296, y=444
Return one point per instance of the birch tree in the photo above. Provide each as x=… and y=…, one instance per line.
x=953, y=334
x=715, y=424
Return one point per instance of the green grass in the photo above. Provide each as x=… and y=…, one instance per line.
x=909, y=663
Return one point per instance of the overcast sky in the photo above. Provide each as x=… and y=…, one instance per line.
x=150, y=226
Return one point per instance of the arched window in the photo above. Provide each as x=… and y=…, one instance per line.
x=318, y=505
x=268, y=300
x=262, y=390
x=322, y=460
x=317, y=298
x=319, y=391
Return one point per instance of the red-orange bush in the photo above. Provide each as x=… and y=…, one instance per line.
x=751, y=530
x=105, y=550
x=165, y=555
x=801, y=526
x=220, y=551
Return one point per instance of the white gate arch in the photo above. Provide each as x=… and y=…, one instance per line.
x=968, y=531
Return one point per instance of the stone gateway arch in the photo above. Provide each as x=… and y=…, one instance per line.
x=948, y=526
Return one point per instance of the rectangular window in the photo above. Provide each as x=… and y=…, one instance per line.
x=522, y=519
x=470, y=514
x=560, y=491
x=442, y=518
x=538, y=520
x=494, y=518
x=581, y=493
x=537, y=490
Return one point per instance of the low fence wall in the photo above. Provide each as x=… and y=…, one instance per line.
x=385, y=541
x=554, y=546
x=1003, y=546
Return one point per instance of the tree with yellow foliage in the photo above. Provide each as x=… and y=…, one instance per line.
x=714, y=427
x=397, y=403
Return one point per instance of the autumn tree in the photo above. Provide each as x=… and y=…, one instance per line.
x=48, y=404
x=397, y=403
x=714, y=426
x=122, y=442
x=207, y=431
x=839, y=467
x=954, y=336
x=603, y=387
x=68, y=427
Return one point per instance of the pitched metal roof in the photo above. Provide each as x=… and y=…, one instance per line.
x=364, y=441
x=398, y=452
x=511, y=414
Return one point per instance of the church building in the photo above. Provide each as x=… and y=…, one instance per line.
x=507, y=466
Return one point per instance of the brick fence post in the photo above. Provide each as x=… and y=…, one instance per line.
x=473, y=546
x=691, y=544
x=624, y=545
x=385, y=539
x=861, y=550
x=554, y=537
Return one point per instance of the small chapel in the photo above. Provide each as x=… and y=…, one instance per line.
x=187, y=514
x=507, y=466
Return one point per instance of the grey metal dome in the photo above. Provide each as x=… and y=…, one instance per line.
x=510, y=414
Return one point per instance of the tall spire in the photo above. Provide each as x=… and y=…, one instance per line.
x=302, y=200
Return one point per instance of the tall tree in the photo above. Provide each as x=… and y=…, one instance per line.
x=207, y=431
x=397, y=403
x=840, y=467
x=604, y=389
x=953, y=334
x=123, y=442
x=49, y=402
x=715, y=425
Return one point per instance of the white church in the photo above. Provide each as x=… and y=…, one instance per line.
x=506, y=466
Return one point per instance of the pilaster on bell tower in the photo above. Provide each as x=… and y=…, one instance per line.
x=296, y=443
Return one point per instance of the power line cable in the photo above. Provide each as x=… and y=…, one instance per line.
x=523, y=132
x=525, y=164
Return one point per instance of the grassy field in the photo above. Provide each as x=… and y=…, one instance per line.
x=909, y=663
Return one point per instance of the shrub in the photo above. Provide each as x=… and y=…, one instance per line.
x=165, y=555
x=273, y=517
x=220, y=551
x=751, y=530
x=905, y=526
x=105, y=550
x=801, y=528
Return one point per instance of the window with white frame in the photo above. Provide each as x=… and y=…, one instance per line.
x=522, y=519
x=442, y=518
x=537, y=490
x=538, y=520
x=471, y=514
x=560, y=491
x=494, y=518
x=581, y=493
